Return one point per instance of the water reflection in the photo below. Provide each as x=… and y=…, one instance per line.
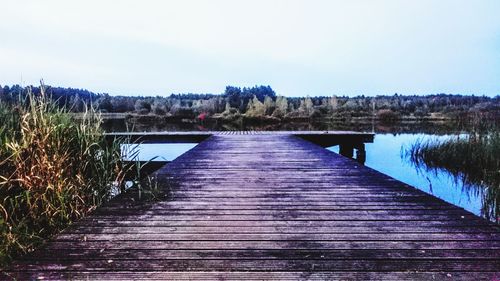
x=385, y=155
x=155, y=124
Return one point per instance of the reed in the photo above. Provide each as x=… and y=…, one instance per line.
x=53, y=170
x=473, y=160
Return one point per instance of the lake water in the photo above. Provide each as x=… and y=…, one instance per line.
x=156, y=151
x=384, y=155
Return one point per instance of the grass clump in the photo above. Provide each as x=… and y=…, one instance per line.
x=53, y=170
x=473, y=159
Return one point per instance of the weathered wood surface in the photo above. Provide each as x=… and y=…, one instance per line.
x=267, y=207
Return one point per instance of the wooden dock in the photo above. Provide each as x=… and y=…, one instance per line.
x=267, y=207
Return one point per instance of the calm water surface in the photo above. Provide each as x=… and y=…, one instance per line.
x=385, y=155
x=156, y=151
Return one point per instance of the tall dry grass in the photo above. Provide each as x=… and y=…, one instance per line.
x=53, y=170
x=474, y=160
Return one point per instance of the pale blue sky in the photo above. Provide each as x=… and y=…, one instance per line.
x=308, y=47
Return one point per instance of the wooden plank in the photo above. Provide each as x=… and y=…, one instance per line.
x=274, y=254
x=378, y=236
x=254, y=275
x=333, y=224
x=260, y=206
x=55, y=246
x=436, y=265
x=109, y=228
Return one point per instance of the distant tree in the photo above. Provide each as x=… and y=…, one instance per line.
x=175, y=109
x=228, y=107
x=123, y=104
x=233, y=95
x=4, y=95
x=158, y=107
x=220, y=104
x=269, y=105
x=208, y=106
x=281, y=107
x=306, y=107
x=142, y=106
x=76, y=104
x=255, y=108
x=104, y=103
x=261, y=92
x=351, y=104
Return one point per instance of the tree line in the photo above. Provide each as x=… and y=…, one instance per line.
x=263, y=102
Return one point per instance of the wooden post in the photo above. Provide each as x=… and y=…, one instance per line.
x=361, y=153
x=346, y=150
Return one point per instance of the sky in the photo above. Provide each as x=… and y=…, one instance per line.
x=298, y=47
